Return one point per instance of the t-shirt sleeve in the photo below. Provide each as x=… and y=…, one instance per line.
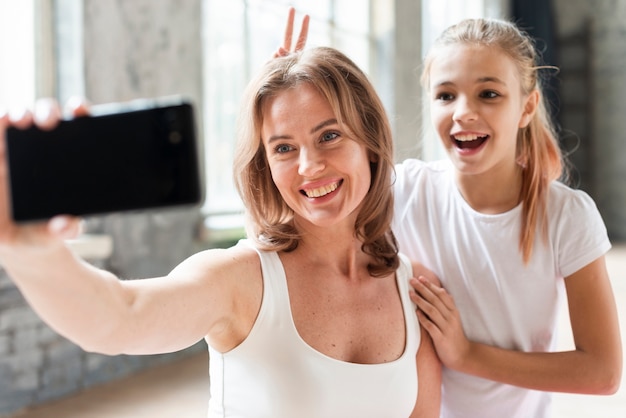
x=582, y=233
x=404, y=171
x=405, y=180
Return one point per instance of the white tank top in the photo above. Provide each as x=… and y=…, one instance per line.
x=273, y=373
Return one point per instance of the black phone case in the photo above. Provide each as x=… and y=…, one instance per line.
x=138, y=159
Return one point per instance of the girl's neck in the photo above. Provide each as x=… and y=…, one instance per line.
x=491, y=193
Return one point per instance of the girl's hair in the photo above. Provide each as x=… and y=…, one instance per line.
x=538, y=152
x=359, y=110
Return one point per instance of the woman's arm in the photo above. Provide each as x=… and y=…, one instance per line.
x=593, y=367
x=96, y=310
x=428, y=379
x=428, y=365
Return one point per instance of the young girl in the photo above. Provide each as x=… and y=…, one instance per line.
x=503, y=235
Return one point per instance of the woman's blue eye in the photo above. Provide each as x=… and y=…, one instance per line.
x=329, y=136
x=280, y=149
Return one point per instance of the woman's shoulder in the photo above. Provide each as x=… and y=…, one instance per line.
x=239, y=260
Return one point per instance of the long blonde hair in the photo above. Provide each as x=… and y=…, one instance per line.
x=538, y=151
x=356, y=106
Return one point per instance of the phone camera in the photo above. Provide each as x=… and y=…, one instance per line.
x=175, y=137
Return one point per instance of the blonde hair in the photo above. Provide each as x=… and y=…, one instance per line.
x=538, y=152
x=358, y=108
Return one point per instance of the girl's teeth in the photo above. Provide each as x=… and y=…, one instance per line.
x=466, y=137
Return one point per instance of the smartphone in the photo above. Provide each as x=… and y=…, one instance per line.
x=123, y=157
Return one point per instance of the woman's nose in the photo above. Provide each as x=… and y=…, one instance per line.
x=311, y=162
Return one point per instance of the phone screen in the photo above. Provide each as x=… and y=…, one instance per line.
x=140, y=159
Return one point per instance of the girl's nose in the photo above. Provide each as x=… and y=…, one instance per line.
x=464, y=110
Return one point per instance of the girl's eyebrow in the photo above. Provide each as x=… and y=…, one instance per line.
x=316, y=128
x=487, y=79
x=490, y=80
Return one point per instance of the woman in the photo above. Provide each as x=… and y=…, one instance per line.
x=311, y=315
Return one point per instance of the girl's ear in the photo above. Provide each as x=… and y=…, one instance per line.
x=530, y=107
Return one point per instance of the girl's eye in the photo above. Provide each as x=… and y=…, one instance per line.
x=444, y=96
x=489, y=94
x=329, y=136
x=283, y=148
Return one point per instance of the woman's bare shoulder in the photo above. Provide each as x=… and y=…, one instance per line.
x=420, y=270
x=239, y=260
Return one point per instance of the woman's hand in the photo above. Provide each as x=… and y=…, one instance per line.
x=285, y=49
x=438, y=315
x=46, y=115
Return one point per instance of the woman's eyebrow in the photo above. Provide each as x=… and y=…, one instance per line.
x=316, y=128
x=322, y=125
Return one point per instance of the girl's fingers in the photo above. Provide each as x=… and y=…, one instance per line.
x=432, y=328
x=304, y=34
x=425, y=289
x=289, y=29
x=288, y=38
x=436, y=294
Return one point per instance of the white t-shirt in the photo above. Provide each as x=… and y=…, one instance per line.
x=501, y=301
x=273, y=373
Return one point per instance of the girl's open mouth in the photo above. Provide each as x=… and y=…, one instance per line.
x=470, y=142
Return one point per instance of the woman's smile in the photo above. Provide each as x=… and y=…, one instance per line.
x=321, y=191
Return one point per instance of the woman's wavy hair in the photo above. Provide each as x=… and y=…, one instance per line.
x=358, y=109
x=538, y=151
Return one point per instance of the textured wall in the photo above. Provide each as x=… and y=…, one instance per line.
x=608, y=61
x=126, y=50
x=593, y=90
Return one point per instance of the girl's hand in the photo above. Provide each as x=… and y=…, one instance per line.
x=46, y=115
x=437, y=313
x=285, y=49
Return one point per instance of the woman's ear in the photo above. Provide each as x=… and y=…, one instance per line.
x=530, y=107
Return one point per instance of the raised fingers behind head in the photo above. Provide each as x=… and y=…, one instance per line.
x=285, y=48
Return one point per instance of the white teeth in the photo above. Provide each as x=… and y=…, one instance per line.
x=321, y=191
x=467, y=137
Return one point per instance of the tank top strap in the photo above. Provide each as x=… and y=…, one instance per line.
x=275, y=291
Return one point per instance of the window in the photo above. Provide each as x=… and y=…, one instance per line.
x=439, y=14
x=17, y=48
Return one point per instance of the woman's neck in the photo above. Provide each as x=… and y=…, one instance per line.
x=337, y=249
